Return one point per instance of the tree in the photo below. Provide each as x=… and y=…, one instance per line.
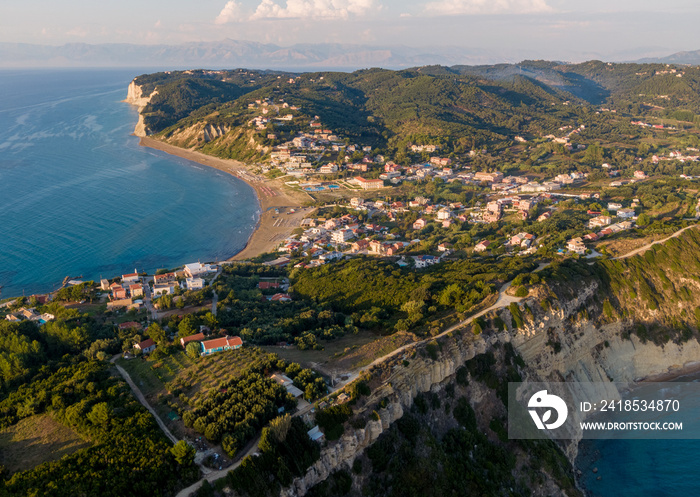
x=643, y=219
x=193, y=349
x=100, y=414
x=183, y=452
x=186, y=327
x=157, y=333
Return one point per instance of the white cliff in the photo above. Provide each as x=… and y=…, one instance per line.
x=136, y=97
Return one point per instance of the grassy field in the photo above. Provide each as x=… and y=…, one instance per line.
x=332, y=350
x=178, y=381
x=36, y=440
x=344, y=354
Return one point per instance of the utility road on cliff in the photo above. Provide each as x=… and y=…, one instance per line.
x=646, y=247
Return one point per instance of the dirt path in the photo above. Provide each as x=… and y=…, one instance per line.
x=142, y=399
x=649, y=245
x=218, y=474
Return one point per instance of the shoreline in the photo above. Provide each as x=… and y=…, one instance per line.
x=271, y=228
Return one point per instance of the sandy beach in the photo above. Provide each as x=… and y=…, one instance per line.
x=272, y=227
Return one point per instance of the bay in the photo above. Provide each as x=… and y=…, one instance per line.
x=80, y=197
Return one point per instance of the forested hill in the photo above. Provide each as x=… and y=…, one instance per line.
x=461, y=108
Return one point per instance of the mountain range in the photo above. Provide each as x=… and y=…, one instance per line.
x=235, y=53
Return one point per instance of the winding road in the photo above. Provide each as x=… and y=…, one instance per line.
x=649, y=245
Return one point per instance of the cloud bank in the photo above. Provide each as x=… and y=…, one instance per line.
x=482, y=7
x=297, y=9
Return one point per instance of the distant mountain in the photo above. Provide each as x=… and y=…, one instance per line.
x=690, y=58
x=234, y=53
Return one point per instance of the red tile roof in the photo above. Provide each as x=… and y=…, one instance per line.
x=129, y=324
x=192, y=338
x=222, y=342
x=145, y=344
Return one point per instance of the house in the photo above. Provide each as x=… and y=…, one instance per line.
x=482, y=245
x=118, y=292
x=342, y=236
x=640, y=175
x=444, y=247
x=130, y=278
x=591, y=237
x=221, y=344
x=164, y=278
x=194, y=283
x=360, y=245
x=423, y=261
x=328, y=169
x=612, y=206
x=367, y=184
x=444, y=214
x=196, y=269
x=288, y=384
x=281, y=297
x=331, y=256
x=315, y=434
x=488, y=177
x=576, y=245
x=544, y=216
x=130, y=324
x=104, y=285
x=625, y=213
x=192, y=338
x=599, y=222
x=166, y=288
x=147, y=346
x=136, y=290
x=419, y=224
x=266, y=285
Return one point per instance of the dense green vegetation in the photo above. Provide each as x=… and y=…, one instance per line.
x=460, y=108
x=655, y=290
x=442, y=447
x=286, y=451
x=126, y=440
x=377, y=293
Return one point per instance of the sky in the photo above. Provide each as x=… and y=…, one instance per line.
x=554, y=29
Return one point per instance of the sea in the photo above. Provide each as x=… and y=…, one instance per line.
x=80, y=197
x=652, y=467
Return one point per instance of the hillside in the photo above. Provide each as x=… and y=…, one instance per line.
x=459, y=108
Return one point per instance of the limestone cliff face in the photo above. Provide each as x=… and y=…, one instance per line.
x=589, y=350
x=405, y=383
x=592, y=350
x=135, y=96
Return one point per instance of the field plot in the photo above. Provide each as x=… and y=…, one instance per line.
x=36, y=440
x=176, y=382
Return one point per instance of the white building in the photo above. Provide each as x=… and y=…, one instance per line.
x=166, y=288
x=342, y=236
x=444, y=214
x=625, y=213
x=194, y=283
x=196, y=269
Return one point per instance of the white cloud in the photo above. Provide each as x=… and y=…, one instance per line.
x=77, y=32
x=478, y=7
x=230, y=13
x=313, y=9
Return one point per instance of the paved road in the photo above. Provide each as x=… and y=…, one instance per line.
x=142, y=399
x=648, y=246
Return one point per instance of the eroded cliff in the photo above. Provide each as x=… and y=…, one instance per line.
x=135, y=96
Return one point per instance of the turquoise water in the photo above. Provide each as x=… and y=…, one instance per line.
x=80, y=197
x=656, y=468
